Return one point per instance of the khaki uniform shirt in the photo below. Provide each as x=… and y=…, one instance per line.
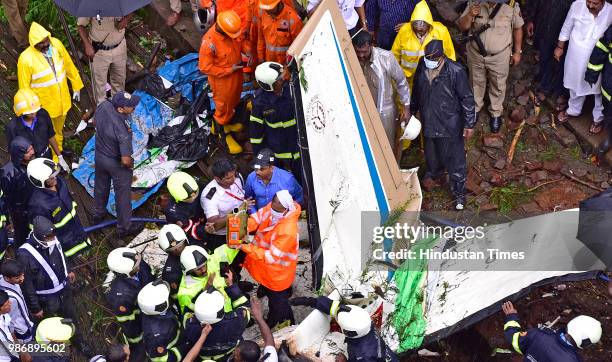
x=105, y=32
x=499, y=36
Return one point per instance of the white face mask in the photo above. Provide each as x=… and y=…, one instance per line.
x=276, y=216
x=431, y=64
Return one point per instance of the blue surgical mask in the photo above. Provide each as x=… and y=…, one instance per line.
x=49, y=52
x=431, y=64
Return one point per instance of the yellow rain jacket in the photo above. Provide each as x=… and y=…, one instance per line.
x=407, y=48
x=35, y=72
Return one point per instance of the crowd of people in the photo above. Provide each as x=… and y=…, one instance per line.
x=197, y=308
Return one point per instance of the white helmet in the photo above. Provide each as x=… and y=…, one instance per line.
x=153, y=297
x=193, y=257
x=209, y=307
x=40, y=170
x=55, y=329
x=170, y=236
x=356, y=323
x=584, y=330
x=204, y=17
x=412, y=129
x=123, y=260
x=267, y=73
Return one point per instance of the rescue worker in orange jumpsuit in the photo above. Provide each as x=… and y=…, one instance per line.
x=221, y=59
x=271, y=258
x=278, y=26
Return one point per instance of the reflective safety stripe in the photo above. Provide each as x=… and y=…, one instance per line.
x=605, y=94
x=42, y=74
x=173, y=342
x=601, y=46
x=218, y=356
x=277, y=252
x=269, y=258
x=296, y=155
x=258, y=120
x=412, y=53
x=163, y=358
x=286, y=124
x=238, y=302
x=276, y=49
x=333, y=310
x=177, y=353
x=57, y=286
x=409, y=64
x=77, y=248
x=50, y=82
x=2, y=254
x=129, y=317
x=256, y=140
x=515, y=342
x=69, y=216
x=135, y=339
x=595, y=67
x=510, y=324
x=286, y=155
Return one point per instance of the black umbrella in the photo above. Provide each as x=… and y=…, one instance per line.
x=595, y=225
x=102, y=8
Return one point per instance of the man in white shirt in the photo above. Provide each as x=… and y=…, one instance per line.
x=6, y=334
x=352, y=11
x=586, y=22
x=10, y=280
x=219, y=198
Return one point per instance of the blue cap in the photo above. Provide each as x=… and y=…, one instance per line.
x=125, y=99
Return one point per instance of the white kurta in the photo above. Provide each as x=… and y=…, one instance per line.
x=582, y=29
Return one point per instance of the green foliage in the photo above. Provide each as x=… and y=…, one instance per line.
x=46, y=14
x=549, y=154
x=74, y=145
x=576, y=153
x=520, y=147
x=509, y=197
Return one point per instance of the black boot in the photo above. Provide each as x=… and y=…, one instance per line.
x=495, y=124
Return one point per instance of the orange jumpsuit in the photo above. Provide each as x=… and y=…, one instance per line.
x=276, y=33
x=218, y=53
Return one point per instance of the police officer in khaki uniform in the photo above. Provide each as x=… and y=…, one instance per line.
x=105, y=45
x=496, y=42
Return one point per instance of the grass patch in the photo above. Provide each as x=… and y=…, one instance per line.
x=507, y=198
x=520, y=147
x=549, y=154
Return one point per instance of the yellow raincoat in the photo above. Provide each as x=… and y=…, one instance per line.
x=407, y=48
x=51, y=86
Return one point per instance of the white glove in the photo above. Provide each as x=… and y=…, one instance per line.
x=76, y=95
x=63, y=163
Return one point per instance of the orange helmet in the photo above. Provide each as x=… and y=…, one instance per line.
x=230, y=23
x=268, y=4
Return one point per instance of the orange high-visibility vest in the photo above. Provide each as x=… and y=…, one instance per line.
x=275, y=34
x=272, y=257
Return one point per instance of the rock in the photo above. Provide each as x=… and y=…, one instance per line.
x=531, y=208
x=533, y=165
x=597, y=177
x=518, y=114
x=544, y=119
x=485, y=186
x=511, y=125
x=565, y=195
x=520, y=88
x=538, y=176
x=604, y=185
x=473, y=155
x=523, y=100
x=488, y=207
x=567, y=311
x=560, y=287
x=472, y=182
x=579, y=171
x=493, y=140
x=428, y=353
x=565, y=137
x=500, y=164
x=528, y=182
x=532, y=120
x=552, y=166
x=496, y=179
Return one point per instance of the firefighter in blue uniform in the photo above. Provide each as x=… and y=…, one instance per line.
x=131, y=275
x=272, y=123
x=17, y=188
x=51, y=199
x=544, y=344
x=184, y=208
x=47, y=279
x=363, y=343
x=227, y=327
x=162, y=330
x=173, y=240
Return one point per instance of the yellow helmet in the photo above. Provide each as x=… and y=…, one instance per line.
x=26, y=102
x=55, y=329
x=182, y=186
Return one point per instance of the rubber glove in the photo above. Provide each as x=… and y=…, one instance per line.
x=76, y=96
x=63, y=163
